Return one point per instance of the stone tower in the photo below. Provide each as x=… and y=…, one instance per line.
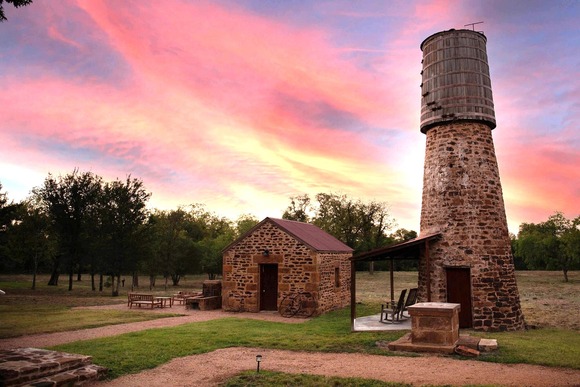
x=472, y=263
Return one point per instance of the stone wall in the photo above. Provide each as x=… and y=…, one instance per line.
x=334, y=288
x=462, y=199
x=299, y=269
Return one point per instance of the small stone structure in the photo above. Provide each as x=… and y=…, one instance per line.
x=435, y=328
x=471, y=263
x=280, y=257
x=41, y=367
x=210, y=298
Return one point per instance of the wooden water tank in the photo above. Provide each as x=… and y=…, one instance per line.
x=455, y=79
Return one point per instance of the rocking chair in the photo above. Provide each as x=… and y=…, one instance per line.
x=392, y=311
x=411, y=300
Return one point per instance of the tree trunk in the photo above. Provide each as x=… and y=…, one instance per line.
x=93, y=288
x=53, y=281
x=565, y=275
x=100, y=282
x=114, y=291
x=166, y=277
x=135, y=279
x=371, y=268
x=151, y=281
x=117, y=286
x=175, y=279
x=79, y=275
x=70, y=279
x=35, y=267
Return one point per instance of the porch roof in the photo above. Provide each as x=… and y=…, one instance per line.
x=404, y=250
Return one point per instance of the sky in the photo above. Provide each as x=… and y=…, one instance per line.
x=241, y=104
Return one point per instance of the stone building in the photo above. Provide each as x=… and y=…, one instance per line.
x=279, y=257
x=471, y=263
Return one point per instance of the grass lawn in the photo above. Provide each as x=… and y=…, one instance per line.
x=548, y=303
x=47, y=309
x=251, y=378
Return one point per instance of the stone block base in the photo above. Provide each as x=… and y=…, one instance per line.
x=487, y=345
x=41, y=367
x=405, y=344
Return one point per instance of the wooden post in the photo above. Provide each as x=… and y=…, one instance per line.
x=352, y=295
x=392, y=281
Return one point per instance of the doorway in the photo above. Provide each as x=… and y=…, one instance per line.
x=459, y=292
x=269, y=287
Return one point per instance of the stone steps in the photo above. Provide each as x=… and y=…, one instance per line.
x=40, y=367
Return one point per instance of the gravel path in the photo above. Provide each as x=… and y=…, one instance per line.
x=212, y=368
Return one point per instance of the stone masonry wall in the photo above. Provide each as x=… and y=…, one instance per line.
x=299, y=269
x=334, y=292
x=462, y=199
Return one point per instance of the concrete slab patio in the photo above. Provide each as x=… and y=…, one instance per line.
x=373, y=323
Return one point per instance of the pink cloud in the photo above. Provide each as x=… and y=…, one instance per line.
x=221, y=105
x=180, y=43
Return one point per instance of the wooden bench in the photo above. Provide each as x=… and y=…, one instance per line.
x=144, y=299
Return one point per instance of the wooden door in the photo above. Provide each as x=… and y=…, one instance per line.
x=459, y=292
x=268, y=287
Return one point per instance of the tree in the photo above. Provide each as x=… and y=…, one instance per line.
x=123, y=211
x=218, y=232
x=68, y=201
x=32, y=241
x=15, y=3
x=298, y=209
x=550, y=245
x=360, y=225
x=174, y=234
x=244, y=223
x=9, y=217
x=403, y=235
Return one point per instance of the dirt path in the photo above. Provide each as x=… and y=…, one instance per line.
x=212, y=368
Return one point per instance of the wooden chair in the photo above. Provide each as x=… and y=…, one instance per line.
x=411, y=300
x=391, y=312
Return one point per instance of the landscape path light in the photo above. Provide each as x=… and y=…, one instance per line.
x=258, y=360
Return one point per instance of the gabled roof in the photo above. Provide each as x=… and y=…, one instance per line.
x=404, y=250
x=309, y=234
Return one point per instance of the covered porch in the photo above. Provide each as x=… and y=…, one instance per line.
x=410, y=250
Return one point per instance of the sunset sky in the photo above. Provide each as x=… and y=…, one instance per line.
x=241, y=104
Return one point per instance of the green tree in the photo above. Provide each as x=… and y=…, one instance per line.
x=244, y=223
x=32, y=241
x=550, y=245
x=403, y=235
x=15, y=3
x=174, y=234
x=299, y=209
x=360, y=225
x=68, y=201
x=123, y=211
x=218, y=232
x=8, y=216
